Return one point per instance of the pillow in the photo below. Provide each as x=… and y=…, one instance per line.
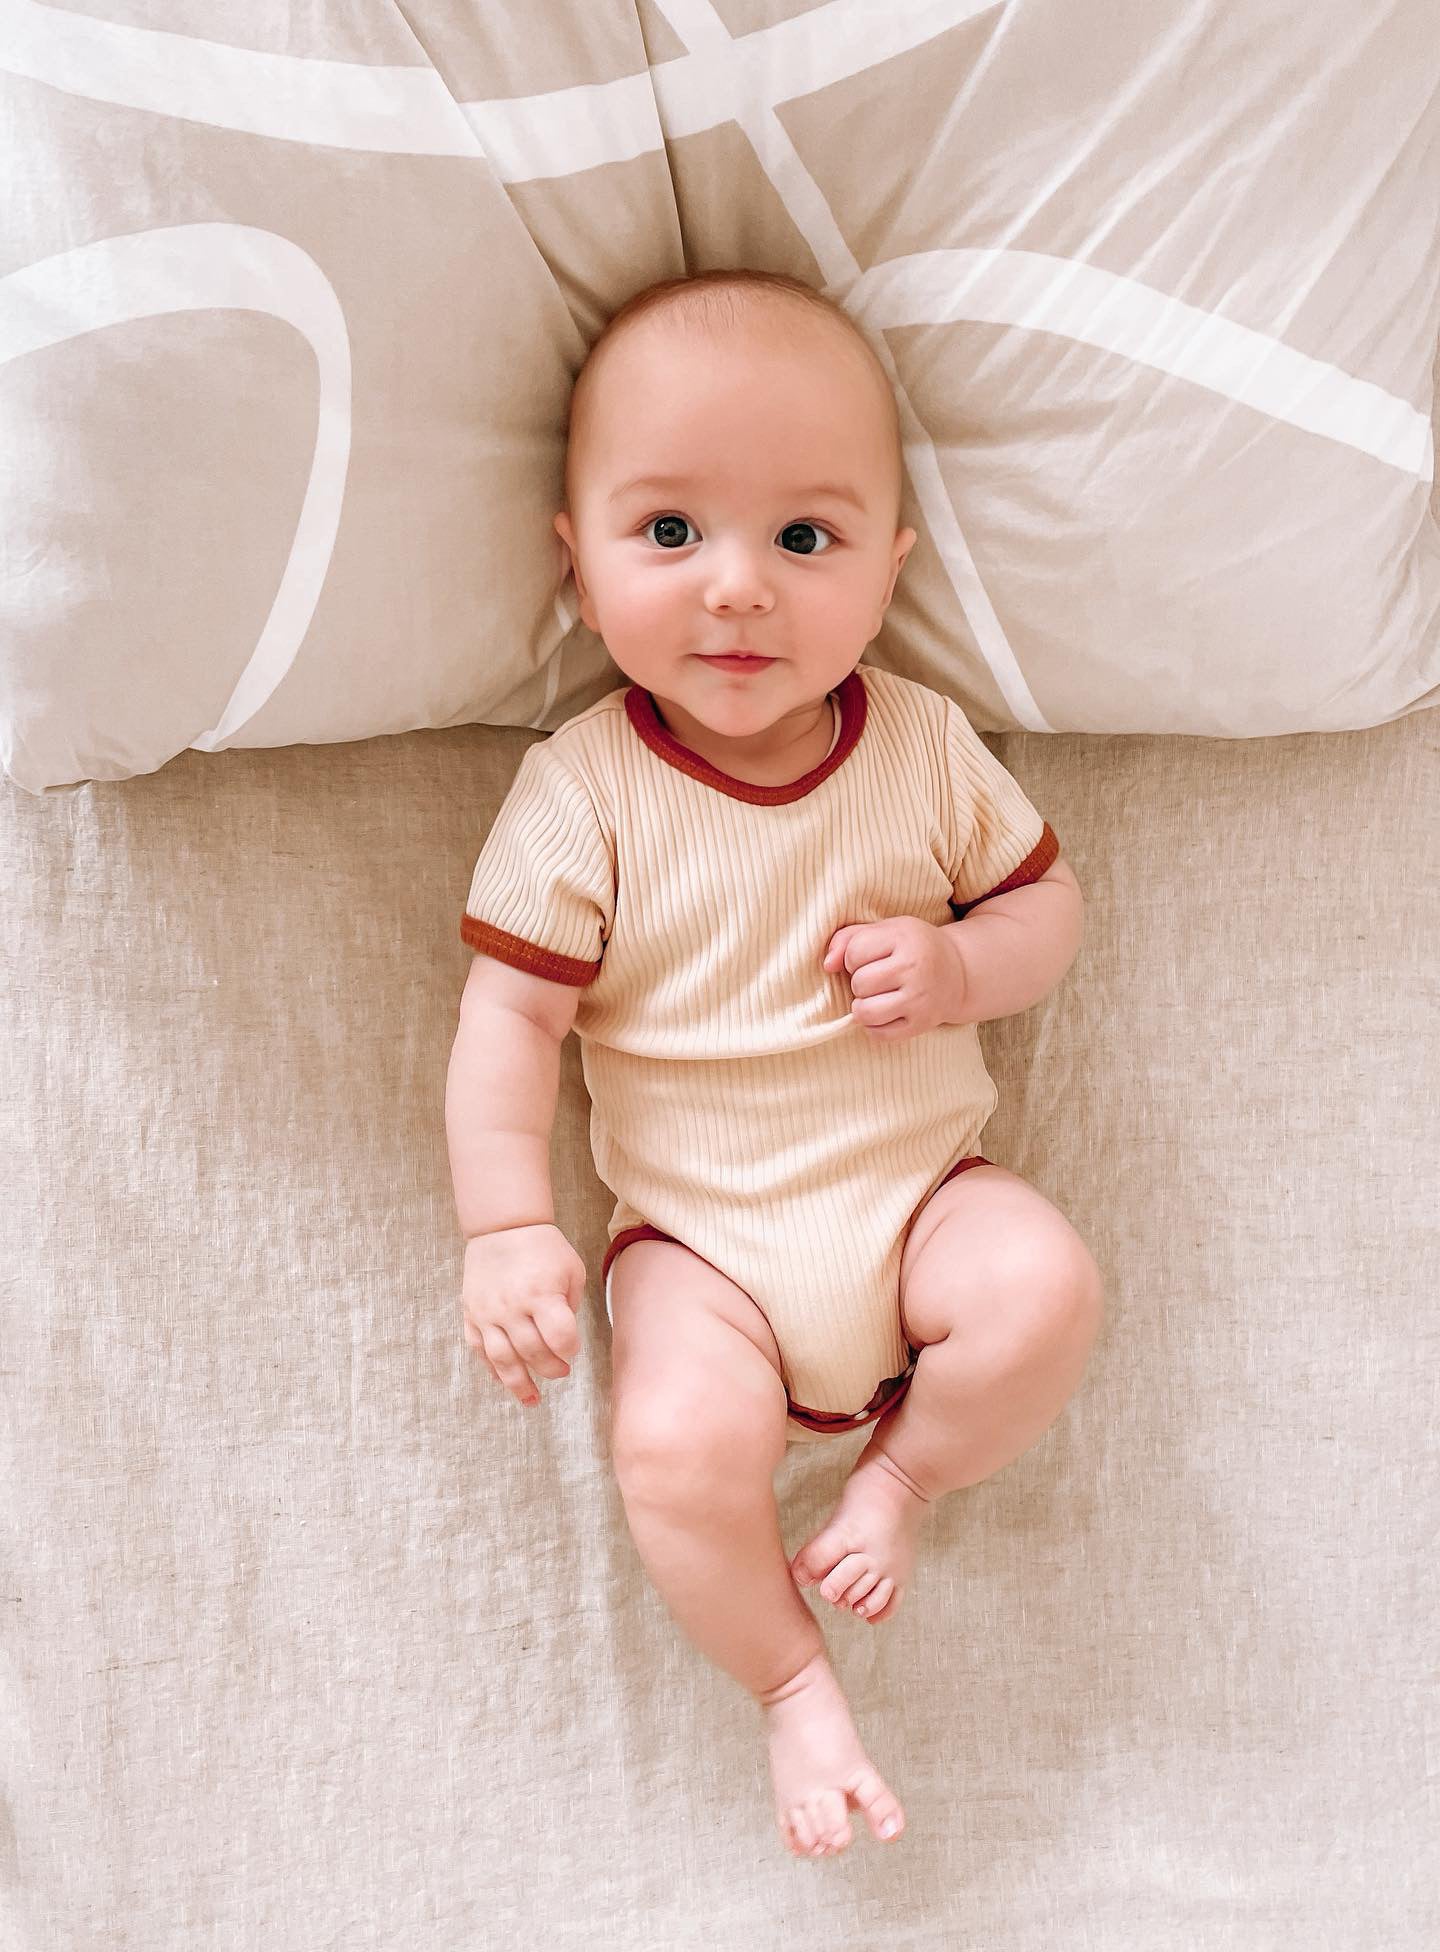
x=293, y=297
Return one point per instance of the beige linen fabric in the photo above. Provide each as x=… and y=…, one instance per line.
x=737, y=1104
x=292, y=297
x=310, y=1636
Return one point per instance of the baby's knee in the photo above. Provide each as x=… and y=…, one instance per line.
x=705, y=1439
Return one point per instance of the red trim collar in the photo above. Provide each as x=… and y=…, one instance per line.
x=854, y=704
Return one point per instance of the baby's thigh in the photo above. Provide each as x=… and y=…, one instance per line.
x=695, y=1369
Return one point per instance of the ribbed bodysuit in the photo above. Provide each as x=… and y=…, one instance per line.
x=736, y=1104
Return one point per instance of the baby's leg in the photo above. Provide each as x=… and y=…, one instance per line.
x=697, y=1431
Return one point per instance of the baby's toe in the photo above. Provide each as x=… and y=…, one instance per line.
x=865, y=1585
x=842, y=1576
x=876, y=1605
x=800, y=1832
x=834, y=1820
x=881, y=1808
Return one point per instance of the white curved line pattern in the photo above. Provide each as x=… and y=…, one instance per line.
x=213, y=267
x=395, y=110
x=1117, y=314
x=725, y=74
x=289, y=97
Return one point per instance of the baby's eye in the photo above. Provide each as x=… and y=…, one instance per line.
x=669, y=523
x=810, y=529
x=670, y=540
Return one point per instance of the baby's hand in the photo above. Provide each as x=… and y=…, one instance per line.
x=903, y=975
x=522, y=1288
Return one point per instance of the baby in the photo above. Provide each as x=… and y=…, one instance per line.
x=738, y=877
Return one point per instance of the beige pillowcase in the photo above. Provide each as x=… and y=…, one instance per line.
x=293, y=299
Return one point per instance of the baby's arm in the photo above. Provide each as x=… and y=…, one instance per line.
x=1012, y=949
x=523, y=1281
x=500, y=1095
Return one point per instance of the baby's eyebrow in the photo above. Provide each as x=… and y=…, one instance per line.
x=672, y=484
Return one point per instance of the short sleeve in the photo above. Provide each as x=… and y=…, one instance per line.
x=997, y=839
x=542, y=896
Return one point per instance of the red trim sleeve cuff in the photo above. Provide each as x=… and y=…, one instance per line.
x=521, y=954
x=1038, y=862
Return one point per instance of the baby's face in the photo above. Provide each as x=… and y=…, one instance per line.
x=763, y=518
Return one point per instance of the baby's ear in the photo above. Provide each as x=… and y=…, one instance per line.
x=570, y=568
x=904, y=543
x=566, y=534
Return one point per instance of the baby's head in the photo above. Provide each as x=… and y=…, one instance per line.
x=732, y=480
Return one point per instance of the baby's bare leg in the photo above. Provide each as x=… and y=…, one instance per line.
x=697, y=1432
x=698, y=1429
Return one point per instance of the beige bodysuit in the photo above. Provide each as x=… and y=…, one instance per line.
x=736, y=1104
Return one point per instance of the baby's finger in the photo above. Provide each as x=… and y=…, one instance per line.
x=532, y=1348
x=501, y=1356
x=558, y=1332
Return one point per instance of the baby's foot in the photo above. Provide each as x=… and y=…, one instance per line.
x=819, y=1768
x=863, y=1554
